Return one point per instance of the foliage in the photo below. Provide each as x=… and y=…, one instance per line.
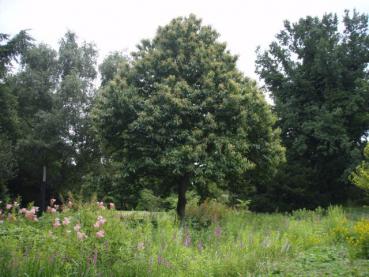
x=360, y=177
x=150, y=202
x=207, y=213
x=356, y=235
x=318, y=79
x=111, y=66
x=150, y=244
x=180, y=114
x=48, y=123
x=10, y=49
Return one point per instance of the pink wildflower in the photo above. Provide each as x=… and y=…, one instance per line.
x=23, y=210
x=66, y=221
x=31, y=214
x=81, y=235
x=100, y=234
x=56, y=223
x=51, y=210
x=100, y=222
x=9, y=206
x=77, y=227
x=101, y=219
x=111, y=206
x=101, y=205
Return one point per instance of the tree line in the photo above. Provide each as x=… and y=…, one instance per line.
x=177, y=115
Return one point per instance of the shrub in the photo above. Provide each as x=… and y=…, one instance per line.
x=207, y=213
x=359, y=238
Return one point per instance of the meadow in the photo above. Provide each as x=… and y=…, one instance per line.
x=94, y=239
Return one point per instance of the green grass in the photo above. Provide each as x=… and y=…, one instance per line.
x=230, y=243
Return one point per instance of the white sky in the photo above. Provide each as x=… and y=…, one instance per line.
x=120, y=25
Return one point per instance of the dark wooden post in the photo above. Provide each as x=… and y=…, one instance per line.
x=43, y=189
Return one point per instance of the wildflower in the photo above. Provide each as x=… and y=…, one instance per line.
x=140, y=246
x=111, y=206
x=164, y=262
x=81, y=235
x=100, y=222
x=23, y=210
x=100, y=234
x=101, y=219
x=77, y=227
x=52, y=201
x=50, y=210
x=100, y=205
x=70, y=204
x=94, y=260
x=31, y=214
x=9, y=206
x=56, y=223
x=66, y=221
x=218, y=231
x=187, y=240
x=16, y=204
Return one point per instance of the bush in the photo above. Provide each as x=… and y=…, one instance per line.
x=207, y=213
x=359, y=239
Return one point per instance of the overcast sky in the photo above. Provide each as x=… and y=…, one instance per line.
x=120, y=25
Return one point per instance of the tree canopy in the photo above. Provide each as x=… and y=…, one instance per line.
x=45, y=120
x=318, y=78
x=182, y=115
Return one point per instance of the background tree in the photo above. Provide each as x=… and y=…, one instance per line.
x=75, y=95
x=318, y=78
x=11, y=50
x=39, y=143
x=53, y=92
x=181, y=115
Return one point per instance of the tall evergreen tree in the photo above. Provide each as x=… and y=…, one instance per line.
x=318, y=77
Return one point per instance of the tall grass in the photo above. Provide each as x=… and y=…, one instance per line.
x=217, y=241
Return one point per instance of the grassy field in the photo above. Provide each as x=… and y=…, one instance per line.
x=91, y=240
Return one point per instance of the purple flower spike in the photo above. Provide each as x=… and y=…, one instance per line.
x=218, y=232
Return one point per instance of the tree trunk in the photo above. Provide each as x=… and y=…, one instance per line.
x=182, y=189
